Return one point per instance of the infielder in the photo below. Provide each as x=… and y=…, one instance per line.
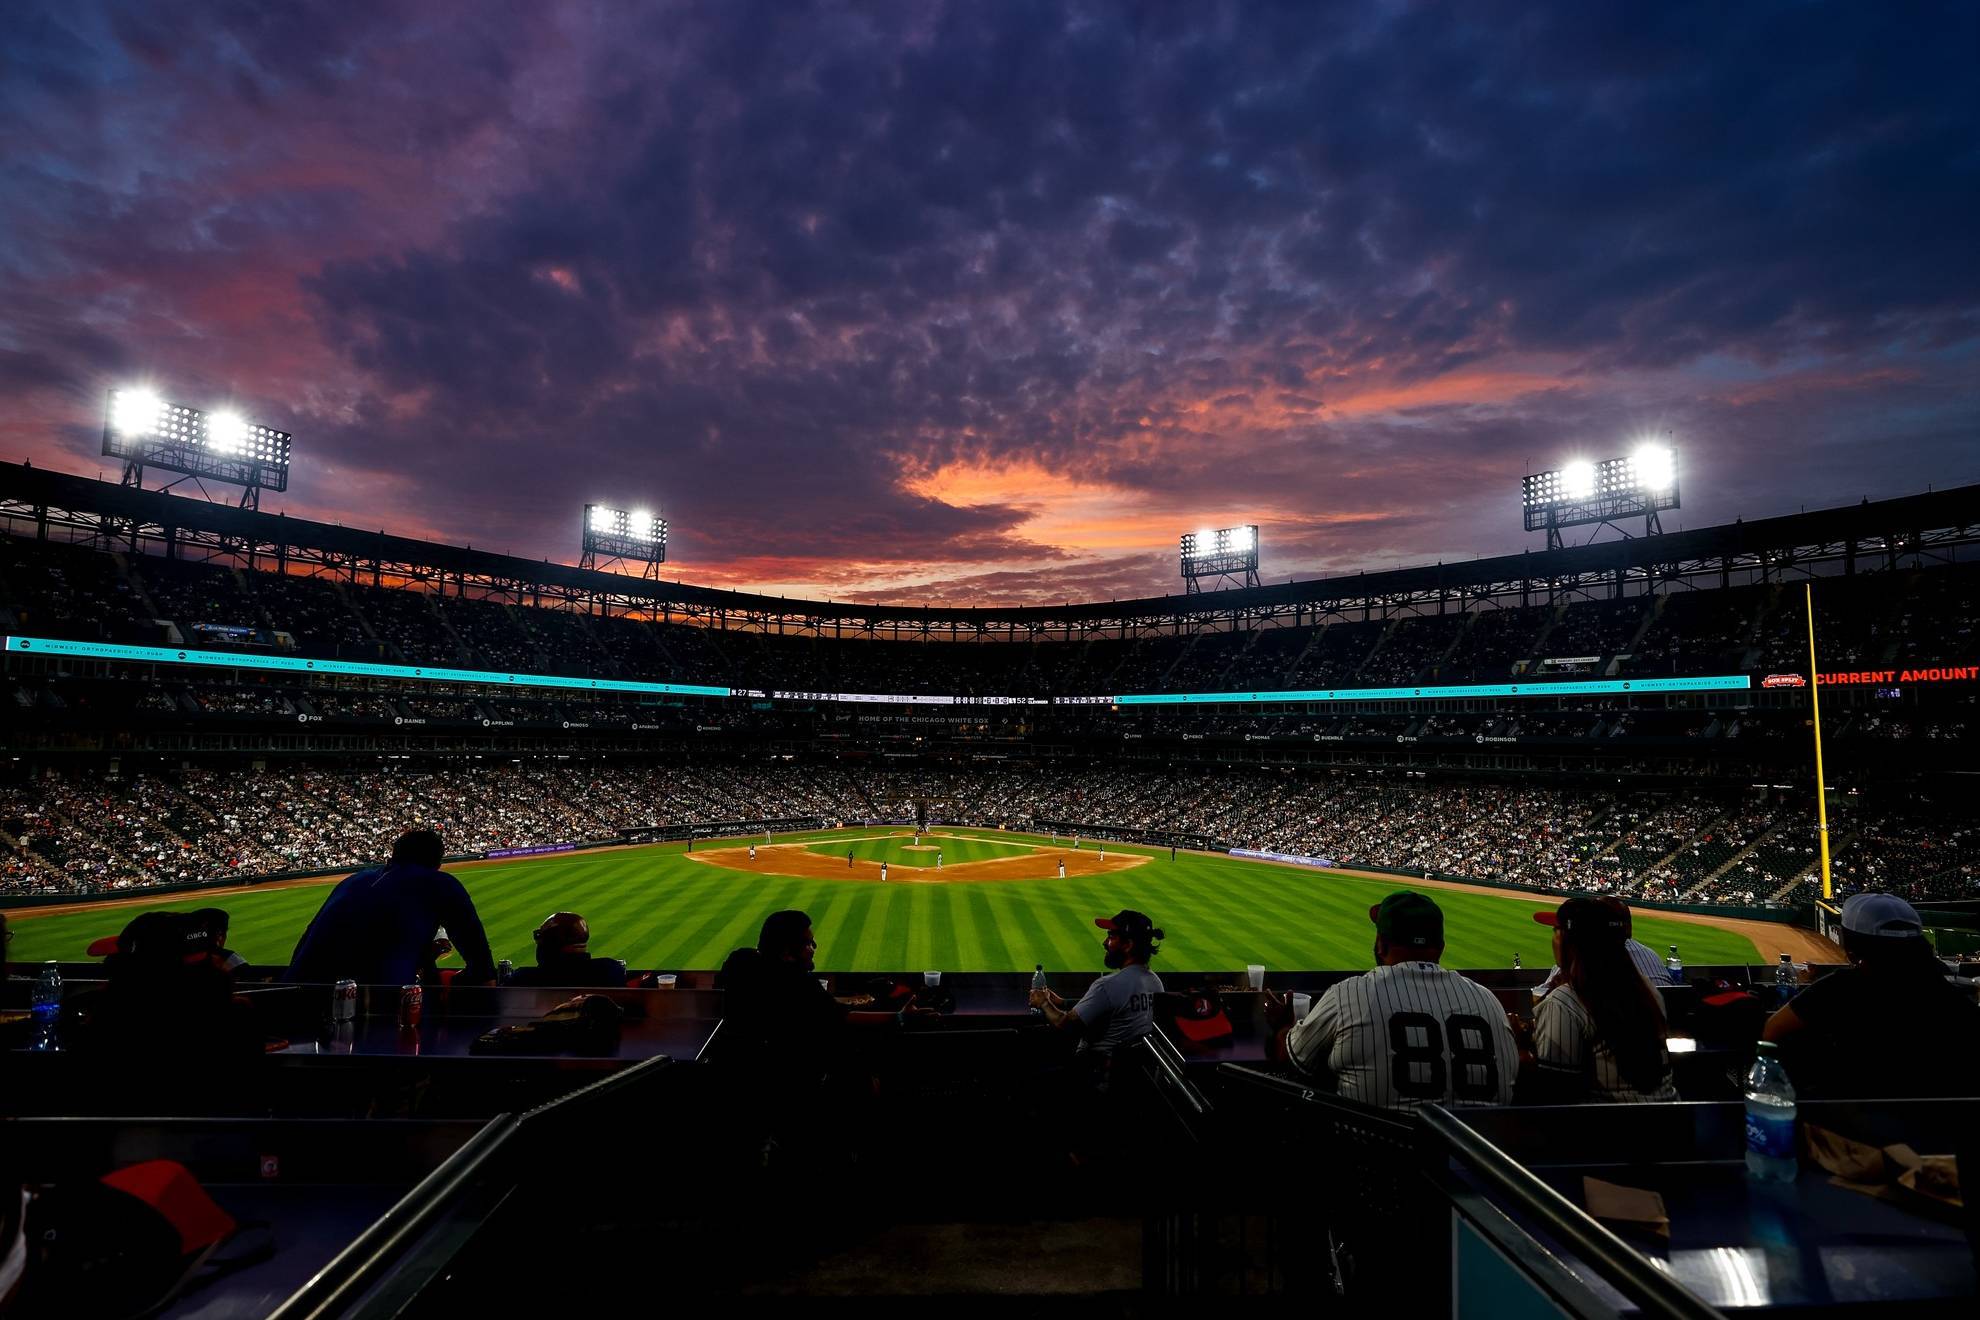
x=1408, y=1032
x=883, y=872
x=1062, y=868
x=752, y=852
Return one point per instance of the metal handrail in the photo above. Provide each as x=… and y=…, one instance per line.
x=1169, y=1065
x=1624, y=1268
x=338, y=1284
x=604, y=1087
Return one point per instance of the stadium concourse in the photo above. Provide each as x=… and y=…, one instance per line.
x=211, y=710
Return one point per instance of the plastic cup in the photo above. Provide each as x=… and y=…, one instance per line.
x=931, y=978
x=1255, y=973
x=1302, y=1004
x=665, y=981
x=824, y=983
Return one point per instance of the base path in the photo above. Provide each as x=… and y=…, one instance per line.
x=1770, y=938
x=798, y=859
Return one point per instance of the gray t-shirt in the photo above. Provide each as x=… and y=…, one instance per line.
x=1118, y=1008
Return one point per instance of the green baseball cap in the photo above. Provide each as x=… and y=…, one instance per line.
x=1409, y=918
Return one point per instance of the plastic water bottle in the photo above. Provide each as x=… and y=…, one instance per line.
x=1770, y=1148
x=1784, y=984
x=47, y=1008
x=1673, y=968
x=1038, y=983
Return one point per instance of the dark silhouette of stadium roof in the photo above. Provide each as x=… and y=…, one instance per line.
x=59, y=499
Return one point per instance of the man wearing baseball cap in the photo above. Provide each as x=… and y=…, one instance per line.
x=1409, y=1032
x=1887, y=1026
x=1119, y=1008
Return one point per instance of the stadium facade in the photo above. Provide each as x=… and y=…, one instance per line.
x=152, y=634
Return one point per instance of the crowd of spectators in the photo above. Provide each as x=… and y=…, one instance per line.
x=74, y=831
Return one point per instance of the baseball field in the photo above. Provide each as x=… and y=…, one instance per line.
x=995, y=902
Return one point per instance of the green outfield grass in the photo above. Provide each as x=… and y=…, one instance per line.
x=655, y=908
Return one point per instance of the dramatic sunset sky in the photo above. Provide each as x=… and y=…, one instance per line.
x=986, y=302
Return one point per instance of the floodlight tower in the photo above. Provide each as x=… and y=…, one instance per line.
x=1227, y=553
x=616, y=536
x=1584, y=494
x=145, y=431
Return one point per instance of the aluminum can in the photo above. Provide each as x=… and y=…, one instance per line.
x=504, y=970
x=343, y=1001
x=411, y=999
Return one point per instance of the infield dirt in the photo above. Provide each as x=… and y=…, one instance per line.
x=798, y=860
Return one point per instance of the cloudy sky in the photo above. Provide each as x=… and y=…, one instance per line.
x=986, y=302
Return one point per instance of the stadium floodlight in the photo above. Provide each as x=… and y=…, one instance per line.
x=633, y=536
x=1229, y=552
x=145, y=431
x=1582, y=494
x=1655, y=467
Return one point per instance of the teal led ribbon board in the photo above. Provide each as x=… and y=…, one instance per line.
x=1581, y=688
x=289, y=664
x=171, y=655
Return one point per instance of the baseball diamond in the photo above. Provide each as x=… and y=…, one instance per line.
x=663, y=907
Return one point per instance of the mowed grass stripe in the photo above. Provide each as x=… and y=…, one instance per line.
x=658, y=908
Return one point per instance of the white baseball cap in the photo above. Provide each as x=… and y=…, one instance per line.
x=1885, y=915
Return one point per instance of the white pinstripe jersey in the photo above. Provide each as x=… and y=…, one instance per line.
x=1403, y=1035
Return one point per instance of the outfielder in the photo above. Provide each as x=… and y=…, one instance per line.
x=1408, y=1032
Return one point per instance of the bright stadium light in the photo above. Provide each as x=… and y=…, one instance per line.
x=1582, y=493
x=145, y=431
x=135, y=412
x=1227, y=552
x=1655, y=466
x=226, y=433
x=634, y=536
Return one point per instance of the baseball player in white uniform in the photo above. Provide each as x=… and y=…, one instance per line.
x=1408, y=1032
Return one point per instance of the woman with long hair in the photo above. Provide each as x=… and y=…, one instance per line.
x=1599, y=1033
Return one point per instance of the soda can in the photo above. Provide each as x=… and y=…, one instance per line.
x=343, y=1001
x=504, y=970
x=410, y=1000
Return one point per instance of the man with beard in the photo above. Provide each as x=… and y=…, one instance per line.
x=1119, y=1008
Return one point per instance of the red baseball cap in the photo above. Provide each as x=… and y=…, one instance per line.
x=1199, y=1017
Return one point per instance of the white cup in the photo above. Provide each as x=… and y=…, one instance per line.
x=1302, y=1003
x=1255, y=973
x=931, y=978
x=665, y=981
x=825, y=983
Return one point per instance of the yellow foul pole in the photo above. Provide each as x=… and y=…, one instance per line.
x=1815, y=700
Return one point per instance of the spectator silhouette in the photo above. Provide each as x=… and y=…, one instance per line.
x=1887, y=1026
x=563, y=958
x=377, y=927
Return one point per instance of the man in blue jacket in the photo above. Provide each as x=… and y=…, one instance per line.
x=376, y=927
